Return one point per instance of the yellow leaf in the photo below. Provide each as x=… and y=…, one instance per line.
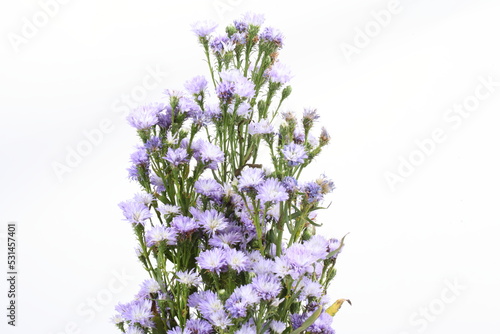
x=336, y=306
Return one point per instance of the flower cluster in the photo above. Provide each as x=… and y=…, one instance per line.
x=229, y=245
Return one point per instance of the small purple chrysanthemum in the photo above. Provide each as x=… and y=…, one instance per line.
x=139, y=311
x=300, y=260
x=221, y=44
x=134, y=330
x=161, y=233
x=241, y=26
x=250, y=178
x=184, y=225
x=220, y=319
x=213, y=260
x=271, y=190
x=143, y=117
x=253, y=19
x=207, y=302
x=212, y=221
x=188, y=277
x=272, y=35
x=209, y=188
x=239, y=38
x=226, y=239
x=198, y=326
x=278, y=326
x=240, y=299
x=225, y=91
x=242, y=85
x=167, y=209
x=208, y=153
x=148, y=287
x=312, y=192
x=266, y=286
x=196, y=85
x=294, y=154
x=140, y=157
x=279, y=73
x=135, y=212
x=261, y=127
x=153, y=144
x=237, y=260
x=290, y=183
x=204, y=28
x=176, y=156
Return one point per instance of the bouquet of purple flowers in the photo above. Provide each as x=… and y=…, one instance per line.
x=232, y=247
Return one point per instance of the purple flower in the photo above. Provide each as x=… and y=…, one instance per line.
x=239, y=38
x=226, y=239
x=139, y=311
x=196, y=85
x=242, y=86
x=241, y=26
x=148, y=287
x=220, y=319
x=208, y=153
x=290, y=183
x=244, y=109
x=271, y=190
x=266, y=286
x=278, y=326
x=221, y=44
x=207, y=302
x=140, y=157
x=279, y=73
x=176, y=156
x=250, y=178
x=143, y=117
x=134, y=330
x=299, y=259
x=272, y=35
x=161, y=233
x=212, y=221
x=326, y=184
x=312, y=192
x=188, y=277
x=209, y=188
x=237, y=260
x=225, y=91
x=213, y=260
x=240, y=299
x=309, y=288
x=322, y=325
x=135, y=212
x=294, y=154
x=153, y=144
x=204, y=28
x=198, y=326
x=261, y=127
x=253, y=19
x=184, y=225
x=167, y=209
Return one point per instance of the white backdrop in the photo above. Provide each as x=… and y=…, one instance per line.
x=410, y=91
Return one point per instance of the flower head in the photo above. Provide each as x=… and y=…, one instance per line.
x=204, y=28
x=271, y=190
x=294, y=154
x=143, y=117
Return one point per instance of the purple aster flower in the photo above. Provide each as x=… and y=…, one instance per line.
x=318, y=246
x=242, y=85
x=176, y=156
x=225, y=91
x=239, y=38
x=212, y=221
x=240, y=299
x=278, y=326
x=135, y=212
x=300, y=260
x=299, y=136
x=167, y=209
x=266, y=286
x=208, y=153
x=327, y=185
x=144, y=198
x=309, y=288
x=139, y=312
x=253, y=19
x=199, y=326
x=290, y=183
x=213, y=110
x=221, y=44
x=143, y=117
x=184, y=225
x=148, y=287
x=161, y=233
x=279, y=73
x=209, y=188
x=157, y=182
x=262, y=266
x=177, y=330
x=140, y=157
x=241, y=26
x=310, y=115
x=237, y=260
x=213, y=260
x=271, y=190
x=272, y=35
x=313, y=192
x=261, y=127
x=207, y=302
x=196, y=85
x=220, y=319
x=294, y=154
x=226, y=239
x=244, y=109
x=322, y=325
x=250, y=178
x=204, y=28
x=188, y=277
x=153, y=144
x=134, y=330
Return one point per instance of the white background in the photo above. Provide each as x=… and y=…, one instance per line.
x=407, y=244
